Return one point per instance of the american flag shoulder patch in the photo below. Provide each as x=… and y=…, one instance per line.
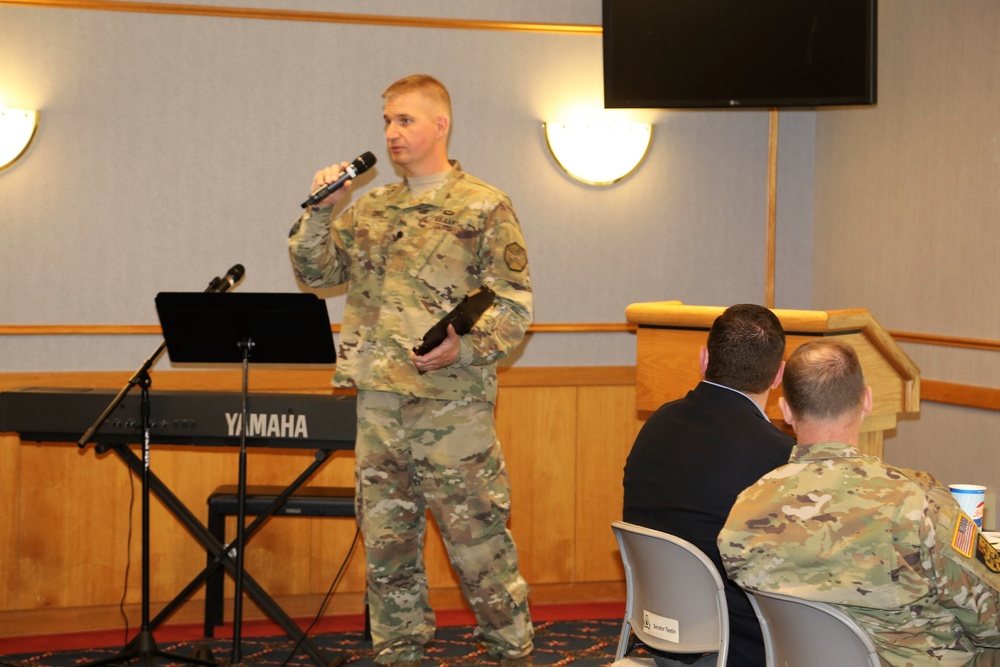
x=964, y=539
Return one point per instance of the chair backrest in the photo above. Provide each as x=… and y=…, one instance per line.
x=803, y=633
x=676, y=601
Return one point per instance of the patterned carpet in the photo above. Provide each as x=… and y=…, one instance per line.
x=557, y=643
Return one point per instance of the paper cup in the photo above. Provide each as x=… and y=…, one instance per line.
x=972, y=499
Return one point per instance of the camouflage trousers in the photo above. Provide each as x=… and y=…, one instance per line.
x=415, y=455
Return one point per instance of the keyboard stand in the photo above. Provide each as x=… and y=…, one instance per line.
x=218, y=551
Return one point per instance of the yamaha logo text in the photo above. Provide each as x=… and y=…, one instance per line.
x=265, y=425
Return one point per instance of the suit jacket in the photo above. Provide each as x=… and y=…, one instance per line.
x=688, y=464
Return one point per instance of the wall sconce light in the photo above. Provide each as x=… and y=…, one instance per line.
x=598, y=153
x=17, y=127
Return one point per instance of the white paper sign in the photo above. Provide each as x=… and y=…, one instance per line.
x=661, y=626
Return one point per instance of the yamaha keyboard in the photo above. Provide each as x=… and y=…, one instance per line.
x=206, y=418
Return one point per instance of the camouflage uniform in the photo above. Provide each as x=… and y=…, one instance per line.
x=427, y=441
x=888, y=545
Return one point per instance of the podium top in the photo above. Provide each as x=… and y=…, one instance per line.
x=887, y=367
x=676, y=314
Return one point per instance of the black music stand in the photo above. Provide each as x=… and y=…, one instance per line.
x=221, y=328
x=143, y=645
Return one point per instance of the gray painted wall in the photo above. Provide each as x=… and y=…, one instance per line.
x=907, y=197
x=172, y=147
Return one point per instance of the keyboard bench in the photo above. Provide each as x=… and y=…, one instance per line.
x=308, y=501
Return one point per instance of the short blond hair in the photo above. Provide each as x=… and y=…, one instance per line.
x=423, y=83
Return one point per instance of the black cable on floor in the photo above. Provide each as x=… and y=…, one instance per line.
x=326, y=598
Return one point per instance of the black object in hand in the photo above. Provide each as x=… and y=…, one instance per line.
x=462, y=317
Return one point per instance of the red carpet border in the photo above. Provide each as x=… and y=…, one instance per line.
x=575, y=643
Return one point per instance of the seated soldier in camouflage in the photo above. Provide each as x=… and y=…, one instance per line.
x=887, y=545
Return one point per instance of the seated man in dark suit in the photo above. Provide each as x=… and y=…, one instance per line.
x=696, y=454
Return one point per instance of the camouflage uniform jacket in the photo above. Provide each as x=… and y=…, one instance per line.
x=408, y=261
x=888, y=545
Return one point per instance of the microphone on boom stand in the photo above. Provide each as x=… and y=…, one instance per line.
x=226, y=282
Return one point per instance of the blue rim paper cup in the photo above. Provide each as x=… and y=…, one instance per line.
x=971, y=498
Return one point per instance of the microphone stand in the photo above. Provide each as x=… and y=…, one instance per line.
x=217, y=285
x=236, y=656
x=143, y=645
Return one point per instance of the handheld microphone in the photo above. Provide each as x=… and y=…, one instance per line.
x=223, y=284
x=361, y=164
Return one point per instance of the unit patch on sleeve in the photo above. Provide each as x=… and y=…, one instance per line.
x=515, y=256
x=987, y=554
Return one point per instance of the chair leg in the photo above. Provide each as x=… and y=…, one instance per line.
x=624, y=640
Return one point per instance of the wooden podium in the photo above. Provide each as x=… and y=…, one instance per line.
x=670, y=335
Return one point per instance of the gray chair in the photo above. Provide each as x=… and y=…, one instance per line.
x=675, y=599
x=803, y=633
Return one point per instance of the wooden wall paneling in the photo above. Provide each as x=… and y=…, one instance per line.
x=607, y=424
x=175, y=555
x=10, y=497
x=298, y=555
x=277, y=551
x=537, y=429
x=65, y=524
x=73, y=528
x=89, y=528
x=281, y=554
x=79, y=558
x=331, y=538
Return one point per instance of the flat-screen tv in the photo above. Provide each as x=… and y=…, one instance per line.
x=739, y=53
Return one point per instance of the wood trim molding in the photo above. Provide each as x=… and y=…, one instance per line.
x=318, y=380
x=605, y=327
x=985, y=398
x=553, y=327
x=153, y=329
x=967, y=396
x=772, y=207
x=307, y=380
x=946, y=341
x=308, y=16
x=79, y=329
